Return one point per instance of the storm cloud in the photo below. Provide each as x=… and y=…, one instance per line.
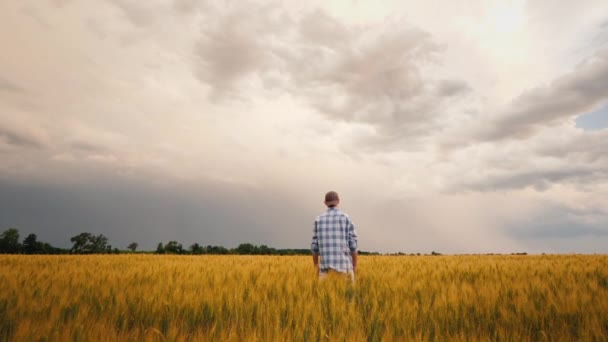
x=571, y=95
x=226, y=122
x=369, y=75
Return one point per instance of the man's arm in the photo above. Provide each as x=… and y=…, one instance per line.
x=352, y=244
x=314, y=246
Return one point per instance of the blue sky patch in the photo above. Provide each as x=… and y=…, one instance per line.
x=595, y=120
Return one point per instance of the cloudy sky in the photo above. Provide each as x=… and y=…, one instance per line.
x=452, y=126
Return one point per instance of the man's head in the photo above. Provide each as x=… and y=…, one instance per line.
x=332, y=199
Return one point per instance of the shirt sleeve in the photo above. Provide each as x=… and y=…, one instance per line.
x=352, y=237
x=314, y=246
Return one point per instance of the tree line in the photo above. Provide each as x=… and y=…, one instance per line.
x=87, y=243
x=173, y=247
x=9, y=244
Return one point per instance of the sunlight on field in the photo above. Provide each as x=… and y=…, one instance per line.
x=147, y=297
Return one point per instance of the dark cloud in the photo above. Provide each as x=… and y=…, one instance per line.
x=560, y=222
x=235, y=46
x=559, y=230
x=577, y=160
x=357, y=74
x=588, y=148
x=448, y=88
x=571, y=95
x=19, y=138
x=127, y=211
x=362, y=74
x=373, y=78
x=540, y=180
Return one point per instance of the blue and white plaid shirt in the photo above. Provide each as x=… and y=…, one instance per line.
x=334, y=238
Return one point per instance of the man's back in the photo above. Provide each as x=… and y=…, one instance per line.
x=334, y=240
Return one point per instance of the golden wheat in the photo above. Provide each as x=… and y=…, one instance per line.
x=272, y=298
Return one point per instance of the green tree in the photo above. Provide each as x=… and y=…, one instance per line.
x=197, y=249
x=31, y=245
x=160, y=249
x=133, y=246
x=217, y=250
x=99, y=244
x=246, y=248
x=265, y=250
x=87, y=243
x=174, y=247
x=9, y=241
x=80, y=243
x=48, y=249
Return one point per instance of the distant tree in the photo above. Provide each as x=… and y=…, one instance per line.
x=174, y=247
x=132, y=246
x=31, y=245
x=265, y=250
x=246, y=248
x=100, y=244
x=48, y=249
x=160, y=249
x=9, y=241
x=294, y=251
x=197, y=249
x=81, y=243
x=86, y=243
x=217, y=250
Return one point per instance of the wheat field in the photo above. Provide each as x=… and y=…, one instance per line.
x=278, y=298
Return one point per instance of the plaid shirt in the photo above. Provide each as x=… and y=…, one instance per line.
x=334, y=238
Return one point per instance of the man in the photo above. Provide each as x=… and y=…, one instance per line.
x=334, y=240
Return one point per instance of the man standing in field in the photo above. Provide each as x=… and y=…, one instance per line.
x=334, y=239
